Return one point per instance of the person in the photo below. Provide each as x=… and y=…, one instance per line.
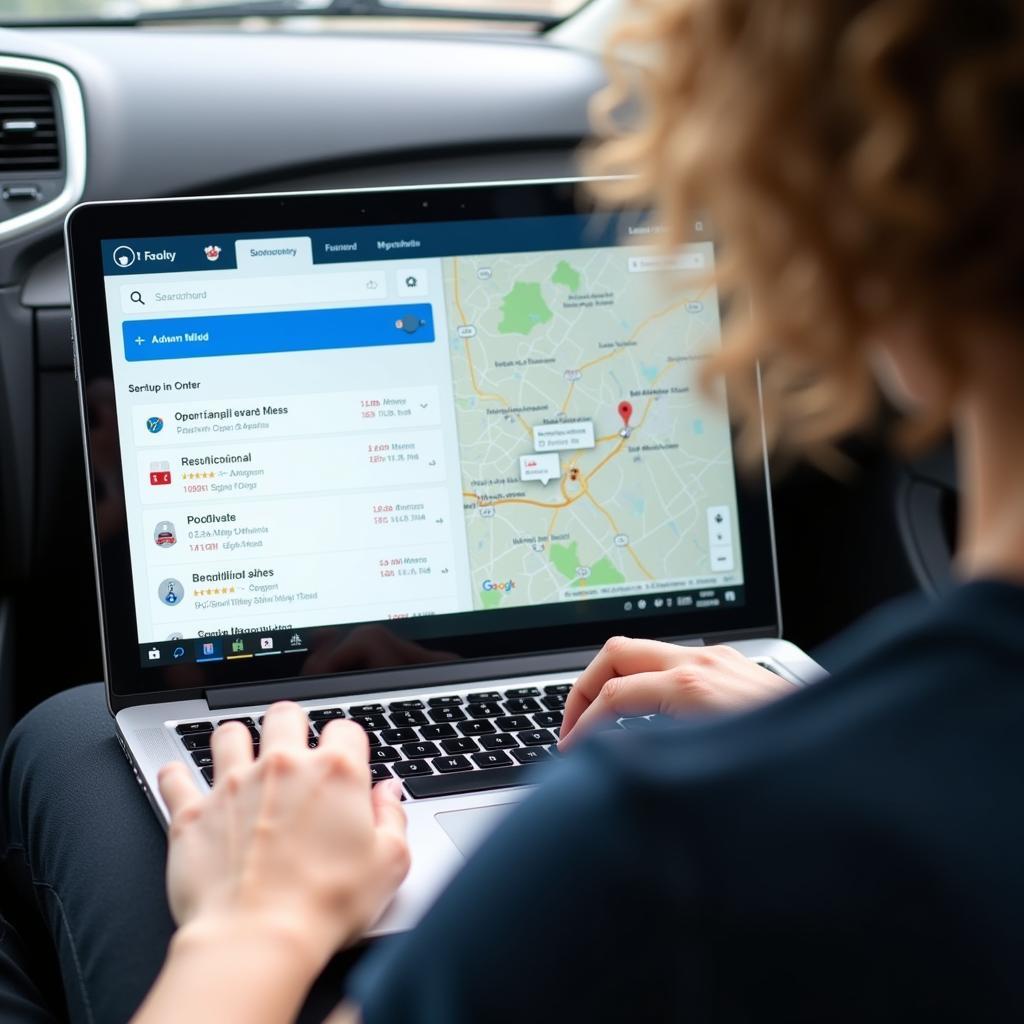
x=847, y=852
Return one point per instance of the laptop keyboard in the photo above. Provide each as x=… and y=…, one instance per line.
x=438, y=745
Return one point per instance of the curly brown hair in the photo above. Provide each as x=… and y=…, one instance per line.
x=863, y=164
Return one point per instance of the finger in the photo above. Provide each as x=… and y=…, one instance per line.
x=177, y=787
x=285, y=727
x=620, y=656
x=387, y=807
x=350, y=740
x=231, y=746
x=642, y=694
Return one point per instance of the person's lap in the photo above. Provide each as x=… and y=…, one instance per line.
x=84, y=869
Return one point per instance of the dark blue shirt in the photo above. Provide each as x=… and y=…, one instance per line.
x=853, y=852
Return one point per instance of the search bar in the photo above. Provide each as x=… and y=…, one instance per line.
x=691, y=260
x=249, y=292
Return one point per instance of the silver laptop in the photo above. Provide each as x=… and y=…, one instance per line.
x=407, y=456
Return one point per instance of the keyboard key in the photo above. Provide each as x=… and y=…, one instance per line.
x=208, y=775
x=487, y=696
x=380, y=772
x=548, y=719
x=312, y=741
x=421, y=749
x=401, y=735
x=558, y=688
x=188, y=728
x=635, y=723
x=535, y=737
x=440, y=715
x=371, y=721
x=484, y=709
x=373, y=738
x=366, y=709
x=513, y=723
x=456, y=763
x=381, y=754
x=517, y=705
x=502, y=741
x=405, y=705
x=554, y=703
x=444, y=702
x=523, y=691
x=203, y=758
x=437, y=732
x=492, y=759
x=462, y=745
x=198, y=741
x=400, y=718
x=405, y=769
x=471, y=782
x=322, y=714
x=245, y=721
x=530, y=755
x=476, y=727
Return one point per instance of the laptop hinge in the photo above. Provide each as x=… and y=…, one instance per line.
x=448, y=674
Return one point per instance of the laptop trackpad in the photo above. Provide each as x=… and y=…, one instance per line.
x=468, y=828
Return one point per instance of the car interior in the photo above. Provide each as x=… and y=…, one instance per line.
x=112, y=100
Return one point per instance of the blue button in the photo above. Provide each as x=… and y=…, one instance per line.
x=301, y=330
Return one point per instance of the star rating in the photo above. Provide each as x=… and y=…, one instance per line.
x=197, y=476
x=213, y=591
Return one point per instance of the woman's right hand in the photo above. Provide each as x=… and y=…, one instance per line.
x=642, y=677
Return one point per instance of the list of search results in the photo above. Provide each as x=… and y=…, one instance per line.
x=309, y=508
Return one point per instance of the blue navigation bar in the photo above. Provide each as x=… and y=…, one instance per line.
x=303, y=330
x=172, y=254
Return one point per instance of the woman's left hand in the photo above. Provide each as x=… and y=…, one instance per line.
x=294, y=844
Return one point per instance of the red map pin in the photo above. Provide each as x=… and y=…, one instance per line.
x=626, y=411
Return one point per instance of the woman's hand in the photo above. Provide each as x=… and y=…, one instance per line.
x=294, y=844
x=641, y=677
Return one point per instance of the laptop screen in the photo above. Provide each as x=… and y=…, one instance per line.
x=332, y=427
x=463, y=428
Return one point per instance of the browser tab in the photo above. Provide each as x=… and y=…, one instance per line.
x=274, y=254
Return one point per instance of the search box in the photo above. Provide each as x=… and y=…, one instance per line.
x=689, y=260
x=249, y=292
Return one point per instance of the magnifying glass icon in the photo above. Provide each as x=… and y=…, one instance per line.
x=137, y=297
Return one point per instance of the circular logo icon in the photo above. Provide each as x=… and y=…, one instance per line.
x=170, y=592
x=165, y=534
x=124, y=255
x=154, y=424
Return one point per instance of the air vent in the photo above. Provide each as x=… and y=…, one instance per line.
x=28, y=125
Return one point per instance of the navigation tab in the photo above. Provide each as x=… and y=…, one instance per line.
x=274, y=255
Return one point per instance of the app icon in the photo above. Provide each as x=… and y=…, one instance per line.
x=177, y=653
x=170, y=592
x=165, y=535
x=154, y=424
x=266, y=643
x=153, y=653
x=124, y=255
x=208, y=650
x=212, y=253
x=296, y=640
x=237, y=646
x=159, y=473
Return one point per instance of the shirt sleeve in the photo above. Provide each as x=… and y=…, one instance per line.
x=563, y=913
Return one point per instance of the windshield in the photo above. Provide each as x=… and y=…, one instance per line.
x=15, y=11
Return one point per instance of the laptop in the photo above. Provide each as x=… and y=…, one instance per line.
x=407, y=456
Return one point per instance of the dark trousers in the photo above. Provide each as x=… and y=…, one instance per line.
x=84, y=922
